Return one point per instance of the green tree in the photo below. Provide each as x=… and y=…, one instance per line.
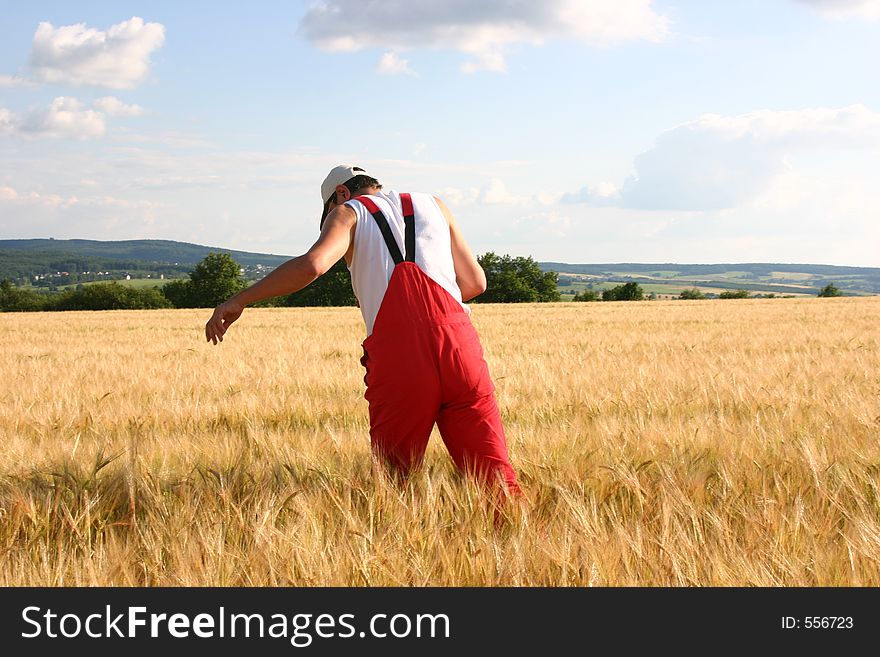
x=331, y=289
x=587, y=295
x=734, y=294
x=693, y=293
x=515, y=280
x=216, y=278
x=625, y=292
x=830, y=290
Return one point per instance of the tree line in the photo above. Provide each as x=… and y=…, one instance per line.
x=634, y=292
x=830, y=290
x=218, y=276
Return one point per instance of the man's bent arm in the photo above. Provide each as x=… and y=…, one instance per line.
x=297, y=273
x=292, y=276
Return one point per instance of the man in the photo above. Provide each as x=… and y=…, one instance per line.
x=411, y=271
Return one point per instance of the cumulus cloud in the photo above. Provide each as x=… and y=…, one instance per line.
x=844, y=9
x=494, y=192
x=75, y=54
x=115, y=107
x=65, y=118
x=482, y=30
x=718, y=162
x=599, y=195
x=391, y=64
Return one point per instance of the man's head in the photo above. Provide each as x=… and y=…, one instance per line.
x=342, y=183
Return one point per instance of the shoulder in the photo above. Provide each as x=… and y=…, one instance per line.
x=426, y=200
x=444, y=209
x=341, y=215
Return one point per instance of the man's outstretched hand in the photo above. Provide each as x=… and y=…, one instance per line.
x=223, y=316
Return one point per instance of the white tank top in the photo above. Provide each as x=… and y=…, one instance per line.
x=371, y=262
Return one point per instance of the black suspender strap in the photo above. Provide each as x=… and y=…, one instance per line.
x=409, y=237
x=409, y=223
x=384, y=228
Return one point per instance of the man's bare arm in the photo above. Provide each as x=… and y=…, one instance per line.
x=469, y=275
x=292, y=276
x=297, y=273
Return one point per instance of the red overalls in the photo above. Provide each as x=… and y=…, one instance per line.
x=424, y=364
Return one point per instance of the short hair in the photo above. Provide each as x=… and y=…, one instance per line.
x=361, y=182
x=353, y=185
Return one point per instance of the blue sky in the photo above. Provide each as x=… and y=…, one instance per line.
x=568, y=130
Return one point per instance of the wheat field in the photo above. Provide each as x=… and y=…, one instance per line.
x=708, y=443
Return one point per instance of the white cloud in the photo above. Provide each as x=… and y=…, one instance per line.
x=392, y=64
x=495, y=192
x=482, y=30
x=851, y=125
x=115, y=107
x=845, y=9
x=65, y=118
x=455, y=196
x=717, y=162
x=75, y=54
x=822, y=198
x=786, y=192
x=603, y=194
x=548, y=198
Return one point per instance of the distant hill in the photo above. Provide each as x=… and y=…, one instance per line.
x=153, y=251
x=671, y=278
x=757, y=268
x=46, y=262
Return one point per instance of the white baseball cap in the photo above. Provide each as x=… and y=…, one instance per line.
x=339, y=176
